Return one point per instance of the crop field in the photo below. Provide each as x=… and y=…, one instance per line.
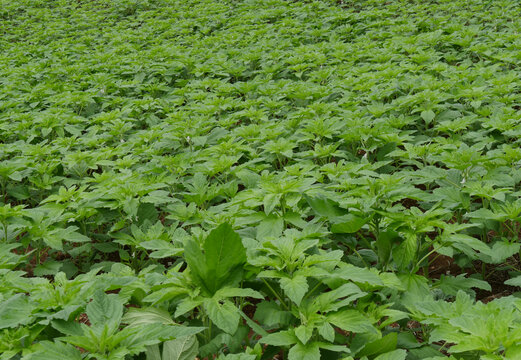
x=260, y=179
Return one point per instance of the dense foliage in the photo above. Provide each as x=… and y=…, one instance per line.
x=260, y=179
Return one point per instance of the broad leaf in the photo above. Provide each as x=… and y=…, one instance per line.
x=325, y=207
x=104, y=309
x=398, y=354
x=281, y=338
x=295, y=288
x=145, y=316
x=516, y=281
x=225, y=316
x=309, y=351
x=221, y=262
x=351, y=320
x=347, y=224
x=55, y=351
x=15, y=311
x=358, y=275
x=185, y=348
x=404, y=253
x=383, y=345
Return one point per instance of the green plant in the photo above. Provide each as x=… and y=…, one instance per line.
x=259, y=179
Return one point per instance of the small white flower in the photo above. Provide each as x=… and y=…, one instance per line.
x=188, y=139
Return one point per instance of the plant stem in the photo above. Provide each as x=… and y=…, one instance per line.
x=427, y=256
x=313, y=290
x=361, y=258
x=4, y=224
x=276, y=294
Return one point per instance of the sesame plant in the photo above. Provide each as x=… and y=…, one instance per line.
x=260, y=179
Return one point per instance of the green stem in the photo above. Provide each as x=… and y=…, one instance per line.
x=361, y=258
x=4, y=192
x=276, y=294
x=313, y=290
x=427, y=256
x=283, y=207
x=206, y=323
x=4, y=224
x=209, y=330
x=83, y=227
x=366, y=241
x=509, y=228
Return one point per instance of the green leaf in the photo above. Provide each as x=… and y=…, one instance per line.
x=351, y=320
x=333, y=347
x=513, y=352
x=15, y=311
x=304, y=333
x=428, y=116
x=185, y=348
x=295, y=288
x=165, y=294
x=228, y=292
x=281, y=338
x=270, y=314
x=347, y=224
x=339, y=297
x=404, y=253
x=450, y=285
x=502, y=250
x=466, y=240
x=54, y=241
x=161, y=249
x=253, y=325
x=327, y=332
x=68, y=327
x=153, y=352
x=398, y=354
x=77, y=237
x=416, y=286
x=16, y=176
x=145, y=316
x=309, y=351
x=271, y=226
x=515, y=281
x=270, y=201
x=104, y=309
x=384, y=245
x=147, y=210
x=359, y=275
x=47, y=350
x=50, y=267
x=225, y=316
x=224, y=251
x=325, y=207
x=221, y=262
x=424, y=353
x=383, y=345
x=237, y=357
x=186, y=305
x=196, y=261
x=136, y=339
